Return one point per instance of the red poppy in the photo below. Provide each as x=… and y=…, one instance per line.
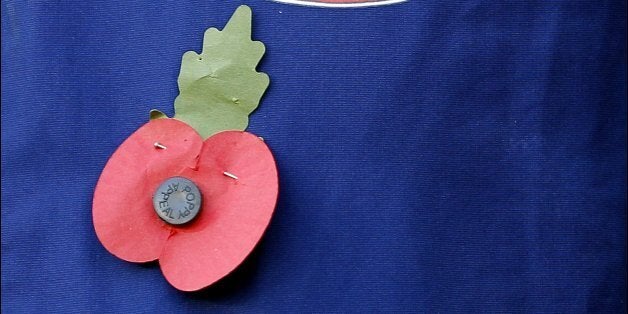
x=234, y=214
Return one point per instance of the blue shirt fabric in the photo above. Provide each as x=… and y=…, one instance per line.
x=434, y=156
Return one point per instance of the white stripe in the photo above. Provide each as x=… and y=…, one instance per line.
x=230, y=175
x=340, y=5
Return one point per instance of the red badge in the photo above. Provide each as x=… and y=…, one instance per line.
x=341, y=3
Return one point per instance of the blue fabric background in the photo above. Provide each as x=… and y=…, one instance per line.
x=451, y=156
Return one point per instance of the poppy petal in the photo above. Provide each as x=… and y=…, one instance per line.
x=125, y=221
x=235, y=212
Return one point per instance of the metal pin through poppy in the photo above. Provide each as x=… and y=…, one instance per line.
x=230, y=175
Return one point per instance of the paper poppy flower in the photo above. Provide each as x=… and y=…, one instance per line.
x=233, y=171
x=235, y=212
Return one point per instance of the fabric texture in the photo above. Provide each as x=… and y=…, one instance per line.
x=433, y=156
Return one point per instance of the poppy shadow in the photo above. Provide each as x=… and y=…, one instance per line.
x=236, y=281
x=150, y=264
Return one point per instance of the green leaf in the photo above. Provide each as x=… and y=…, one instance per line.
x=220, y=87
x=156, y=114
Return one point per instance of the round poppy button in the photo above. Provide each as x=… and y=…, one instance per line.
x=177, y=200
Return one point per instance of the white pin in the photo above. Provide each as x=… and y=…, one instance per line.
x=230, y=175
x=159, y=145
